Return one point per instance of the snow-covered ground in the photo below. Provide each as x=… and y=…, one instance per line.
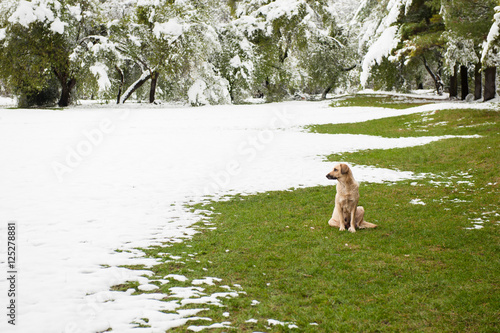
x=84, y=182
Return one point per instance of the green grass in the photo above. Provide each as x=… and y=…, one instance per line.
x=382, y=101
x=421, y=270
x=442, y=122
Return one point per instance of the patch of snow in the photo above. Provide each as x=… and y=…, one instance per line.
x=180, y=278
x=208, y=280
x=274, y=322
x=148, y=287
x=28, y=12
x=225, y=324
x=186, y=292
x=210, y=299
x=170, y=30
x=417, y=202
x=477, y=223
x=57, y=26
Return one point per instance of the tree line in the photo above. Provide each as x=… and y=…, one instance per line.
x=450, y=41
x=215, y=52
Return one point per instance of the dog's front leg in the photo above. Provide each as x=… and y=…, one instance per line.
x=342, y=221
x=352, y=228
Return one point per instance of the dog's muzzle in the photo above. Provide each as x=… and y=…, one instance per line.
x=331, y=177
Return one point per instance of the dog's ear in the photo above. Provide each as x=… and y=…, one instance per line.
x=344, y=168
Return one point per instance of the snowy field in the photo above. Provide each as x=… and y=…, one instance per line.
x=84, y=182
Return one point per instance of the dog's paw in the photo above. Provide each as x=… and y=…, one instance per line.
x=352, y=229
x=342, y=228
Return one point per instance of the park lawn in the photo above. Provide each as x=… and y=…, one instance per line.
x=382, y=101
x=425, y=268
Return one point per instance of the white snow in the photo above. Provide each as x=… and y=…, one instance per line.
x=417, y=202
x=7, y=101
x=196, y=93
x=85, y=182
x=208, y=280
x=477, y=224
x=274, y=322
x=170, y=30
x=225, y=324
x=177, y=277
x=76, y=11
x=279, y=8
x=57, y=26
x=100, y=71
x=491, y=50
x=28, y=12
x=148, y=287
x=234, y=62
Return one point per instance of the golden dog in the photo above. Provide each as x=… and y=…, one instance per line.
x=347, y=213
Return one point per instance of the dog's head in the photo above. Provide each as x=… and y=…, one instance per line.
x=338, y=171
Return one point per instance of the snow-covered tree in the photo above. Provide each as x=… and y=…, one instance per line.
x=43, y=41
x=297, y=45
x=379, y=33
x=172, y=39
x=490, y=57
x=278, y=31
x=467, y=24
x=235, y=61
x=438, y=35
x=329, y=54
x=459, y=52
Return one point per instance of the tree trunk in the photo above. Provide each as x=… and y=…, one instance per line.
x=489, y=83
x=464, y=81
x=67, y=86
x=325, y=92
x=438, y=83
x=122, y=81
x=152, y=90
x=136, y=85
x=454, y=82
x=478, y=84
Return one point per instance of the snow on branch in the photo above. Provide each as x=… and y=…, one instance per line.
x=491, y=47
x=170, y=30
x=378, y=50
x=100, y=71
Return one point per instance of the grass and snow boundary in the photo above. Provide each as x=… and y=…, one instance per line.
x=130, y=199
